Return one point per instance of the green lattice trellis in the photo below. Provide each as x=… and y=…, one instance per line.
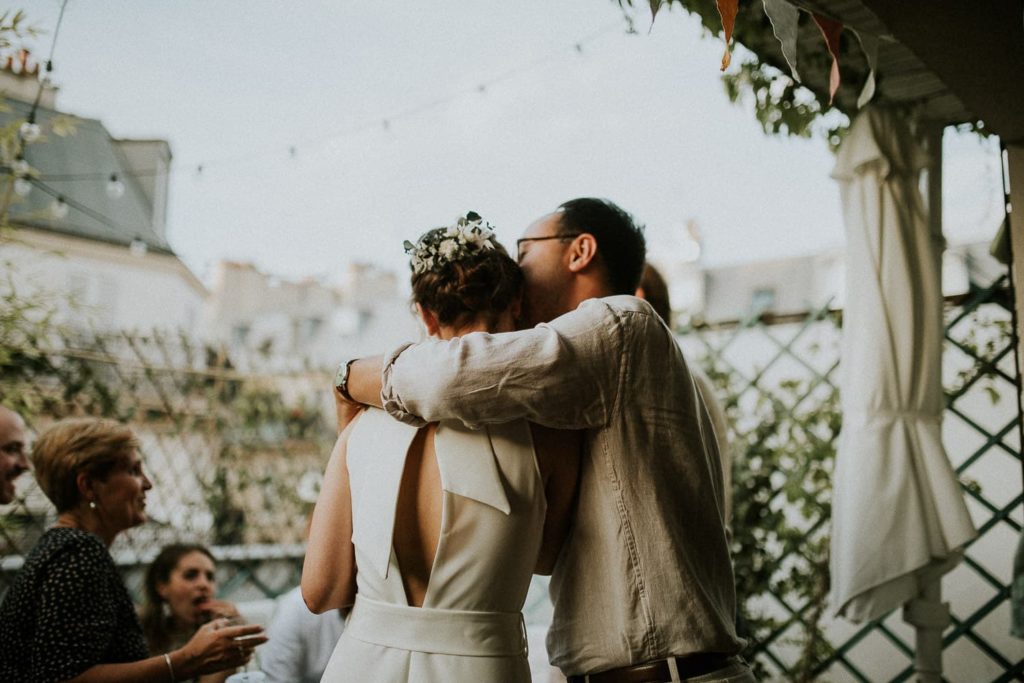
x=196, y=417
x=779, y=377
x=779, y=381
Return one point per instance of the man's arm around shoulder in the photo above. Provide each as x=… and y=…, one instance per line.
x=565, y=374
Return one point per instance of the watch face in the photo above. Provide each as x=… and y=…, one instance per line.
x=339, y=377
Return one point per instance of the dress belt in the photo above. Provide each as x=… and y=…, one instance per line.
x=437, y=631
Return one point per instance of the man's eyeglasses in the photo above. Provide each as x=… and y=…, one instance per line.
x=560, y=236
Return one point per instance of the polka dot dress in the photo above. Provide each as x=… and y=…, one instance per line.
x=66, y=611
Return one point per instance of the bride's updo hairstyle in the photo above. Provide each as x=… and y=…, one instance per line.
x=461, y=274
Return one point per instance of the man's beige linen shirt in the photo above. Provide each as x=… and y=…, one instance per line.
x=645, y=572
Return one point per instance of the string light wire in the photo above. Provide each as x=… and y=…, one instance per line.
x=291, y=150
x=19, y=151
x=49, y=63
x=79, y=206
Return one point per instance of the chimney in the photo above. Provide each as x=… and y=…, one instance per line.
x=19, y=80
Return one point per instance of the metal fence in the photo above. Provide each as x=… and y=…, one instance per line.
x=778, y=379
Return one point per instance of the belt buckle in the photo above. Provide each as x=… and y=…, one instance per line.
x=673, y=669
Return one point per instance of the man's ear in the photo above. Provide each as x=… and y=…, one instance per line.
x=582, y=252
x=429, y=321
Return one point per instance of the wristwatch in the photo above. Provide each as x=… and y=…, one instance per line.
x=341, y=379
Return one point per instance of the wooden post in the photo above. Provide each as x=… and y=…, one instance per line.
x=1015, y=165
x=933, y=143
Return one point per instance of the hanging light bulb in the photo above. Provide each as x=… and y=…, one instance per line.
x=59, y=208
x=115, y=188
x=22, y=187
x=29, y=131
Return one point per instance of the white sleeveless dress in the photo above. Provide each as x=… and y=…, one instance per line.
x=470, y=627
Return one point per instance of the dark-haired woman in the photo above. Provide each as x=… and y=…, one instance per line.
x=179, y=591
x=67, y=615
x=445, y=524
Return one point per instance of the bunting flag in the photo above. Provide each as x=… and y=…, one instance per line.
x=869, y=44
x=785, y=18
x=831, y=30
x=727, y=10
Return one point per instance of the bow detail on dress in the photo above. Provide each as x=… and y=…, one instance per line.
x=466, y=470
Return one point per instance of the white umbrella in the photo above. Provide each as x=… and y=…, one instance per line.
x=898, y=516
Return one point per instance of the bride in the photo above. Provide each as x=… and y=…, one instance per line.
x=432, y=534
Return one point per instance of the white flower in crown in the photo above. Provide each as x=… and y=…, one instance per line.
x=463, y=230
x=475, y=232
x=466, y=236
x=448, y=249
x=482, y=239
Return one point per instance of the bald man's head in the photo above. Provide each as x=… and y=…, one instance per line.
x=12, y=452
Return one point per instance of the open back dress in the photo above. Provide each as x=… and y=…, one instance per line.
x=470, y=627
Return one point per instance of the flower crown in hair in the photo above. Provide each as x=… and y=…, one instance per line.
x=469, y=235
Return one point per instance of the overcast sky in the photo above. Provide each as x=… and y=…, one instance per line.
x=642, y=119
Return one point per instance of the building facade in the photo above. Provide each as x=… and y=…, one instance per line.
x=87, y=218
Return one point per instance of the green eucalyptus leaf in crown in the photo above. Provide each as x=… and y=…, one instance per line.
x=469, y=235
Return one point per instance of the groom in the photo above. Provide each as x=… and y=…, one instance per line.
x=643, y=589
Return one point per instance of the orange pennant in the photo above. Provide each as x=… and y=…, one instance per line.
x=727, y=9
x=831, y=30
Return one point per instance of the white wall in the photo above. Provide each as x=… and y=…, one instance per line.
x=104, y=285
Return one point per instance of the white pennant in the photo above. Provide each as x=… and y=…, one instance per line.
x=784, y=18
x=869, y=44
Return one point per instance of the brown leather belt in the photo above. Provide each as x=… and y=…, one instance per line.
x=659, y=671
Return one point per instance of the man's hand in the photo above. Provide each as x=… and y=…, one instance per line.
x=345, y=410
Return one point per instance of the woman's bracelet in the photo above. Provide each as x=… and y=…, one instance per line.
x=170, y=669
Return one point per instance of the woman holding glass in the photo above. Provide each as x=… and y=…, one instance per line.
x=179, y=591
x=68, y=615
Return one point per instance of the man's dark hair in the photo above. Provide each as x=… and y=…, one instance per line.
x=620, y=241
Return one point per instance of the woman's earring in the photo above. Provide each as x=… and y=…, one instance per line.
x=92, y=504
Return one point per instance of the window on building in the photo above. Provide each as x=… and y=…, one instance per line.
x=93, y=299
x=311, y=328
x=762, y=301
x=240, y=334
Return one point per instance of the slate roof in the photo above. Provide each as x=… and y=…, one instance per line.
x=90, y=155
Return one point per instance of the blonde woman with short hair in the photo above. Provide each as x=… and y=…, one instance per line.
x=67, y=615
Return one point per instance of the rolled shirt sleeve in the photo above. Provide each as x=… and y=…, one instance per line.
x=564, y=374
